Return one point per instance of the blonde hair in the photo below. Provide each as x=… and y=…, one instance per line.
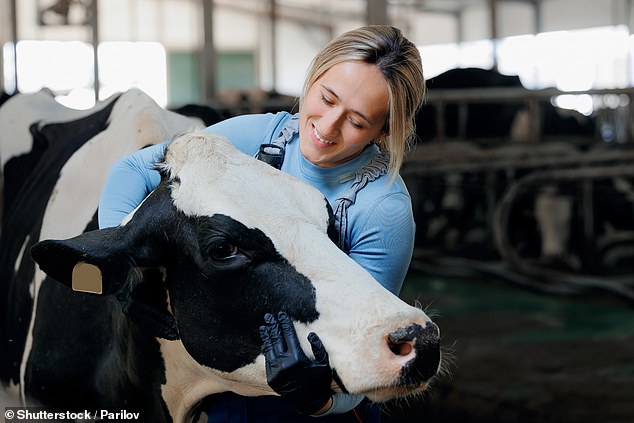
x=399, y=61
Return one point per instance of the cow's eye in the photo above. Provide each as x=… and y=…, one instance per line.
x=222, y=250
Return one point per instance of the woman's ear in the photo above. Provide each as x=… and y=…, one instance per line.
x=381, y=137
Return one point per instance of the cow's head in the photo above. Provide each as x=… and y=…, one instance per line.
x=233, y=239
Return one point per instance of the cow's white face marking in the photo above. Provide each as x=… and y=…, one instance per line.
x=214, y=178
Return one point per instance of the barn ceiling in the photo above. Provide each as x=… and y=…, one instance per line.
x=335, y=6
x=355, y=9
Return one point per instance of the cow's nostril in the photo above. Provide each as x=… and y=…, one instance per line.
x=421, y=346
x=400, y=348
x=401, y=341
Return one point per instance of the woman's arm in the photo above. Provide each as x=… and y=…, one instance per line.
x=129, y=181
x=342, y=403
x=383, y=240
x=132, y=178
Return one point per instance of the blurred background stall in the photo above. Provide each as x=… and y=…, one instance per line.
x=522, y=174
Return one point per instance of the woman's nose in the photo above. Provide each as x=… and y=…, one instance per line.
x=329, y=123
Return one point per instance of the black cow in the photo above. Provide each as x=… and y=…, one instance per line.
x=493, y=120
x=4, y=96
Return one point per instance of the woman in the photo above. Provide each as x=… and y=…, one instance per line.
x=348, y=140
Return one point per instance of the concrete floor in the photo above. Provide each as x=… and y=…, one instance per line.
x=524, y=357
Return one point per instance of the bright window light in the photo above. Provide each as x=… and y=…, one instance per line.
x=477, y=54
x=568, y=60
x=66, y=68
x=439, y=58
x=124, y=65
x=58, y=65
x=443, y=57
x=8, y=71
x=517, y=56
x=582, y=103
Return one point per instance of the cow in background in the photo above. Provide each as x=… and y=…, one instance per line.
x=208, y=115
x=123, y=123
x=493, y=120
x=31, y=124
x=479, y=120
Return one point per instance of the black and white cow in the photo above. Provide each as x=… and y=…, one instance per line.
x=184, y=284
x=21, y=115
x=55, y=187
x=34, y=123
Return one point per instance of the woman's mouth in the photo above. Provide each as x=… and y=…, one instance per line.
x=319, y=138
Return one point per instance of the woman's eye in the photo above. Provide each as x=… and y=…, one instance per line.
x=356, y=124
x=326, y=100
x=223, y=250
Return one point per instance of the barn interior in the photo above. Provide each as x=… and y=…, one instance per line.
x=521, y=176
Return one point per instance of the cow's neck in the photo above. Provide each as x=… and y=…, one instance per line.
x=137, y=360
x=186, y=385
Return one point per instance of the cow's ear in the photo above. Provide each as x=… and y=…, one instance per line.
x=93, y=262
x=102, y=262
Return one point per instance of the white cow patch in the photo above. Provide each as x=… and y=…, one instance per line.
x=20, y=111
x=21, y=253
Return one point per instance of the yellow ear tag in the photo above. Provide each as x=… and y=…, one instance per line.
x=87, y=278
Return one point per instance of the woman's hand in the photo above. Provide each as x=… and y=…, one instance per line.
x=289, y=372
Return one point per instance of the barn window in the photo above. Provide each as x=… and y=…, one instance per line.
x=66, y=68
x=568, y=60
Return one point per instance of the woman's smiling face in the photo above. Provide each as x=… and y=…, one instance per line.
x=342, y=112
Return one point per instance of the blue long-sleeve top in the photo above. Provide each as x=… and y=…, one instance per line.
x=380, y=231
